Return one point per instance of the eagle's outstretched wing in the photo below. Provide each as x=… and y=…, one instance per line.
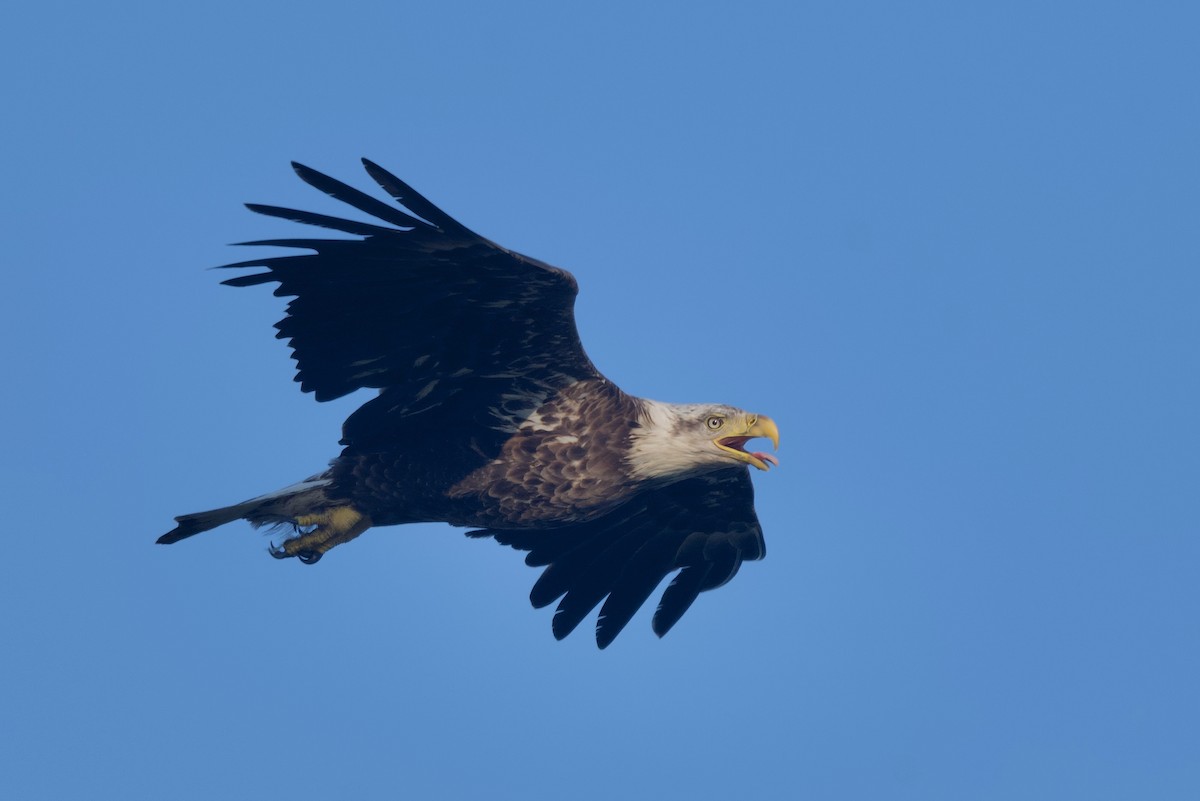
x=422, y=308
x=704, y=527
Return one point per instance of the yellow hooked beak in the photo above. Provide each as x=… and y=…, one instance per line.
x=752, y=426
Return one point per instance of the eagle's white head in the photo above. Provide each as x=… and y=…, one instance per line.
x=674, y=440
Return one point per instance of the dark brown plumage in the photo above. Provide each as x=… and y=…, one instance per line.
x=490, y=415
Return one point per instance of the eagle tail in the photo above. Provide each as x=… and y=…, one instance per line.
x=281, y=506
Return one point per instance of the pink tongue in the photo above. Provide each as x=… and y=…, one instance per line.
x=765, y=457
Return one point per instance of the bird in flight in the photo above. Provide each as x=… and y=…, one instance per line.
x=490, y=415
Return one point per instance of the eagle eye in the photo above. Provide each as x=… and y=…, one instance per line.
x=714, y=423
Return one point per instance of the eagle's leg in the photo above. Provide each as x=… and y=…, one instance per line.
x=332, y=527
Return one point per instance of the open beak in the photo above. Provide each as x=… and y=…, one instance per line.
x=755, y=426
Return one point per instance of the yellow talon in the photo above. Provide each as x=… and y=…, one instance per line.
x=332, y=528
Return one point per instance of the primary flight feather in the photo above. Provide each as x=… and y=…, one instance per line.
x=490, y=415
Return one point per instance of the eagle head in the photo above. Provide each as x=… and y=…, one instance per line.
x=679, y=439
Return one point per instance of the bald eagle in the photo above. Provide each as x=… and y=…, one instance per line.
x=490, y=415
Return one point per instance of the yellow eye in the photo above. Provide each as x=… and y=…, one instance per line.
x=714, y=423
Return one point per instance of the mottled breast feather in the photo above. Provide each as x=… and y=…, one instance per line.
x=565, y=463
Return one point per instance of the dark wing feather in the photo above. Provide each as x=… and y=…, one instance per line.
x=705, y=527
x=426, y=311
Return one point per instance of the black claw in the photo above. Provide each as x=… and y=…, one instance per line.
x=309, y=557
x=277, y=552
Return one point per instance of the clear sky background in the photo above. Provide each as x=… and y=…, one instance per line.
x=953, y=249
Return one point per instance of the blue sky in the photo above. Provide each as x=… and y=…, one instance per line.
x=952, y=249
